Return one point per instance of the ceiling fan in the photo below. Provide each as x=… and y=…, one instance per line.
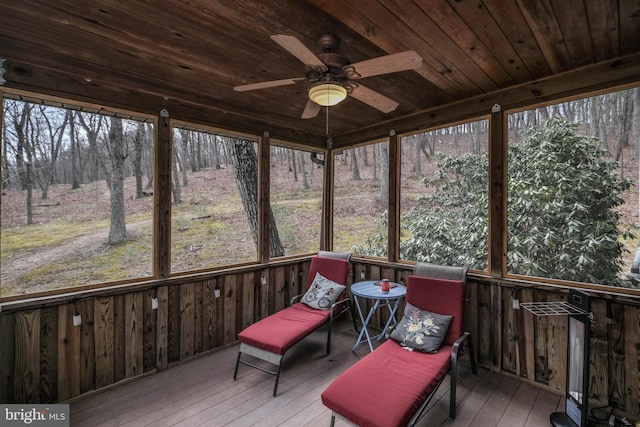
x=333, y=77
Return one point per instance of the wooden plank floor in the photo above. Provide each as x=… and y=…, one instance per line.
x=202, y=392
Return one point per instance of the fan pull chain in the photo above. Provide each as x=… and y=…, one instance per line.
x=327, y=129
x=327, y=107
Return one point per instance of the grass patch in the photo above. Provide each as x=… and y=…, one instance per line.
x=24, y=239
x=355, y=231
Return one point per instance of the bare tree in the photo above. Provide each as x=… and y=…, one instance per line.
x=20, y=114
x=176, y=188
x=92, y=125
x=626, y=125
x=116, y=149
x=245, y=165
x=138, y=146
x=75, y=153
x=197, y=158
x=6, y=167
x=420, y=141
x=375, y=154
x=355, y=171
x=303, y=172
x=181, y=155
x=291, y=161
x=474, y=128
x=215, y=152
x=50, y=150
x=364, y=153
x=149, y=155
x=384, y=173
x=28, y=176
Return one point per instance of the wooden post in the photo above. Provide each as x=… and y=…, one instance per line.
x=68, y=354
x=497, y=191
x=326, y=227
x=162, y=328
x=264, y=182
x=393, y=239
x=162, y=193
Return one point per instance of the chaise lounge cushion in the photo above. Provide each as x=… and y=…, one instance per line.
x=406, y=378
x=284, y=328
x=421, y=330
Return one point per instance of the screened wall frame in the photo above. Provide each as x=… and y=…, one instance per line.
x=339, y=156
x=220, y=137
x=91, y=108
x=396, y=149
x=499, y=145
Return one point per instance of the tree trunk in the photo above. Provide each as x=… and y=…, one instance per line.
x=138, y=145
x=75, y=170
x=198, y=156
x=364, y=153
x=475, y=137
x=627, y=123
x=49, y=153
x=636, y=126
x=215, y=152
x=182, y=155
x=375, y=154
x=417, y=157
x=384, y=173
x=149, y=158
x=20, y=120
x=291, y=163
x=303, y=172
x=6, y=168
x=176, y=188
x=29, y=194
x=92, y=129
x=355, y=172
x=116, y=143
x=245, y=165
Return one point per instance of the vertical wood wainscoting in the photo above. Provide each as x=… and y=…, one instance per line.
x=45, y=359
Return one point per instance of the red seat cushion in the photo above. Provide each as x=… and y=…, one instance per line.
x=284, y=328
x=387, y=387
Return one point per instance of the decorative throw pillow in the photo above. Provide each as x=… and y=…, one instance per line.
x=322, y=293
x=421, y=329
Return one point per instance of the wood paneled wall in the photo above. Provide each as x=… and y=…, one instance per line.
x=45, y=359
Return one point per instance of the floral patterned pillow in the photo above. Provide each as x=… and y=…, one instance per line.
x=421, y=329
x=322, y=293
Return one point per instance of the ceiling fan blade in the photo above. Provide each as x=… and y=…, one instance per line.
x=408, y=60
x=300, y=51
x=264, y=85
x=311, y=110
x=374, y=99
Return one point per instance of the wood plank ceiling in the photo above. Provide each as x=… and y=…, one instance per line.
x=186, y=56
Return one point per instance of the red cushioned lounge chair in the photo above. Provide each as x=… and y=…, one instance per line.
x=392, y=386
x=269, y=338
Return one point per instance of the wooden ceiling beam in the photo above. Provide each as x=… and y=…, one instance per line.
x=591, y=79
x=64, y=86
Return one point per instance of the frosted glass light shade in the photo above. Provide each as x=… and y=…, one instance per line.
x=327, y=94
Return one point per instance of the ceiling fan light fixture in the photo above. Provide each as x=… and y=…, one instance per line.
x=327, y=94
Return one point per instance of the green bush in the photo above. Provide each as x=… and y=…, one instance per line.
x=562, y=221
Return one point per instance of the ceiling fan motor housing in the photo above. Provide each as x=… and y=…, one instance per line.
x=327, y=52
x=332, y=77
